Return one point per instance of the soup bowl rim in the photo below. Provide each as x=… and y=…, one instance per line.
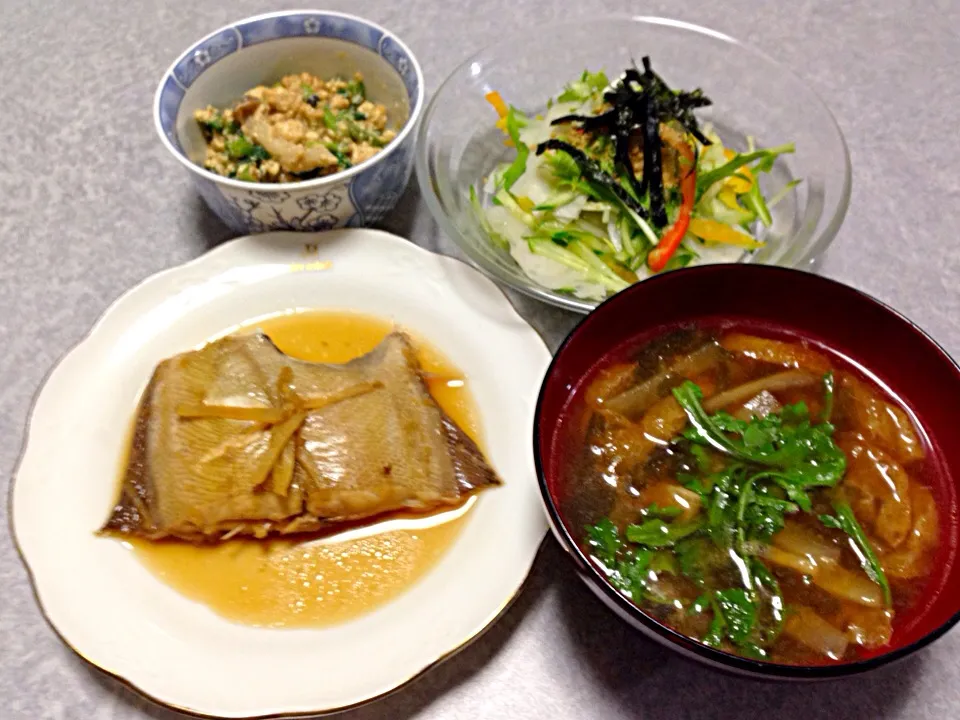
x=591, y=575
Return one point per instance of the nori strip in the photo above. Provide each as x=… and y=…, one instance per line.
x=653, y=170
x=637, y=111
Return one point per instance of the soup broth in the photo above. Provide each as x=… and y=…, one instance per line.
x=757, y=494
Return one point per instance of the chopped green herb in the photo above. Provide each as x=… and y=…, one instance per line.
x=664, y=562
x=238, y=147
x=715, y=633
x=359, y=134
x=627, y=568
x=259, y=153
x=342, y=159
x=669, y=512
x=329, y=119
x=829, y=390
x=767, y=584
x=845, y=520
x=692, y=557
x=214, y=124
x=738, y=611
x=604, y=541
x=799, y=456
x=585, y=88
x=356, y=91
x=657, y=533
x=700, y=605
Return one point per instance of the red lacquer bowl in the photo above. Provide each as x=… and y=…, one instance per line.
x=883, y=343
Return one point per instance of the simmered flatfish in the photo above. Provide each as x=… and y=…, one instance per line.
x=238, y=438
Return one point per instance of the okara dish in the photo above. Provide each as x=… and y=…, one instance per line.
x=278, y=166
x=617, y=181
x=754, y=493
x=300, y=128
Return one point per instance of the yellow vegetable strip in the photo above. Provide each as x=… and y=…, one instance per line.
x=718, y=232
x=499, y=105
x=525, y=203
x=729, y=198
x=493, y=97
x=742, y=180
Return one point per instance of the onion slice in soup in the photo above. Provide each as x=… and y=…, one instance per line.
x=854, y=587
x=634, y=401
x=798, y=540
x=802, y=564
x=771, y=383
x=805, y=626
x=671, y=495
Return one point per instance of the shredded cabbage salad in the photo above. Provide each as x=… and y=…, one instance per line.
x=617, y=181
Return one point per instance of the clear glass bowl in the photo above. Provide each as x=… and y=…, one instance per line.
x=458, y=144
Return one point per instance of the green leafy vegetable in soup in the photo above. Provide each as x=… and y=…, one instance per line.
x=732, y=486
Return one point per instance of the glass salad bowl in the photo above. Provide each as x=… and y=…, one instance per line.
x=755, y=100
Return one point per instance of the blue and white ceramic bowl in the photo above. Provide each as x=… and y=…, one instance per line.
x=259, y=50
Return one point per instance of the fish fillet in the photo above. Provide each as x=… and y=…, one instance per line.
x=239, y=439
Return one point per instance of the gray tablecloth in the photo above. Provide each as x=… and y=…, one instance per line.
x=91, y=203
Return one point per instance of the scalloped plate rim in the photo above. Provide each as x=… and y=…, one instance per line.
x=154, y=289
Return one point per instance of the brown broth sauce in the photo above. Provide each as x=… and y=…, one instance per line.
x=587, y=494
x=291, y=583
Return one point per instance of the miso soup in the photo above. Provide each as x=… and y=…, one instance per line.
x=756, y=493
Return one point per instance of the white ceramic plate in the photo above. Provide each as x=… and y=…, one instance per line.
x=116, y=614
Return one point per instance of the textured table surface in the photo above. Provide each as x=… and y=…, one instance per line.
x=90, y=204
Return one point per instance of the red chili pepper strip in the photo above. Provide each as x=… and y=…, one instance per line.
x=658, y=257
